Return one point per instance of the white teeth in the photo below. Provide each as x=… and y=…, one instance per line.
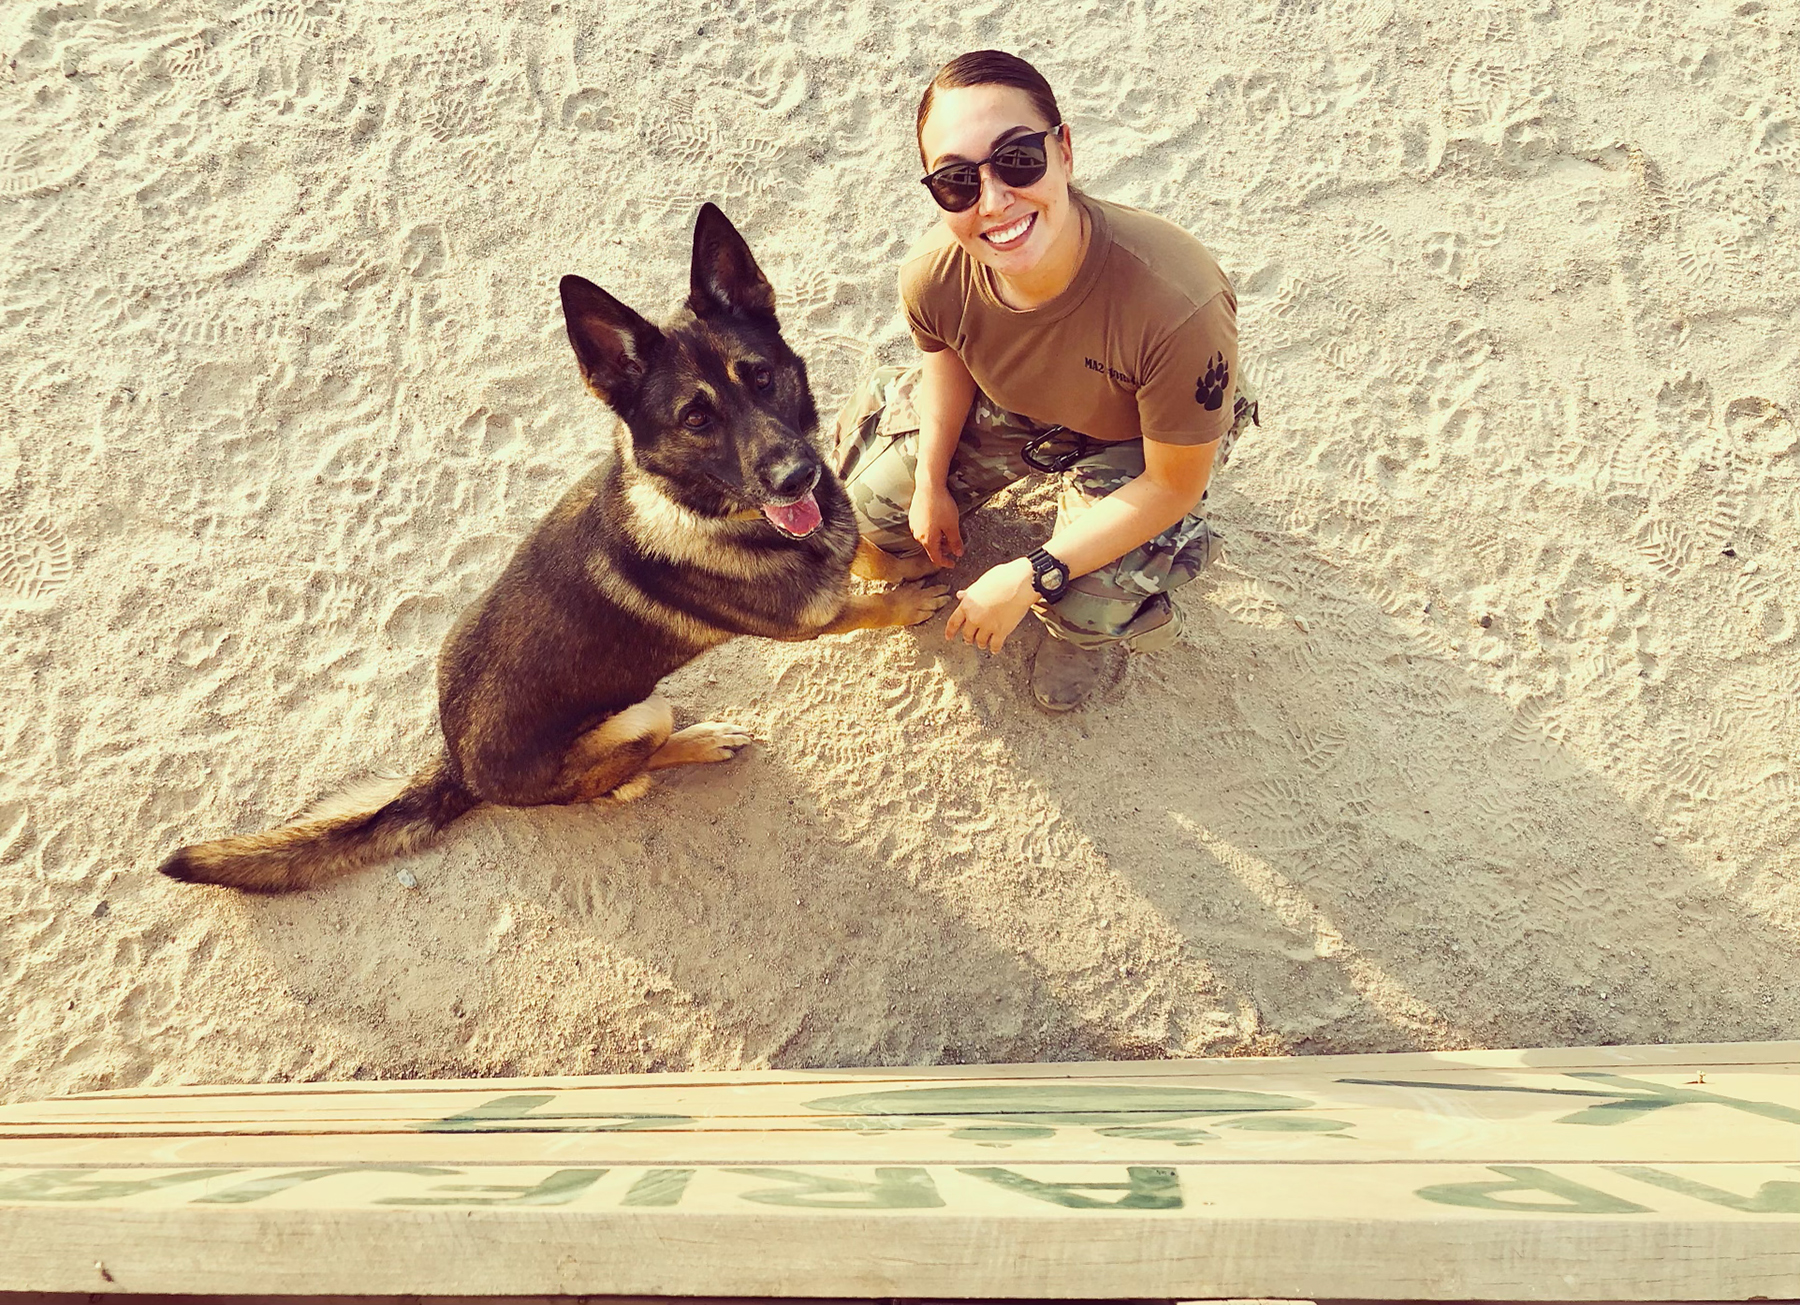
x=1013, y=232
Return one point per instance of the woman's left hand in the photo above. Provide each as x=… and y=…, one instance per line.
x=993, y=606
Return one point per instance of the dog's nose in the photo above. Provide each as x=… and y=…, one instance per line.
x=791, y=476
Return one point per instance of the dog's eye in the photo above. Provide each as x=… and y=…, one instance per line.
x=696, y=418
x=762, y=377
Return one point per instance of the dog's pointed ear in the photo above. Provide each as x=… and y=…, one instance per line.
x=612, y=343
x=726, y=279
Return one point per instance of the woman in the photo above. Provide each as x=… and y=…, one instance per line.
x=1060, y=332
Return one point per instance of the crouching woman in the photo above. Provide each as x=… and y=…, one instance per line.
x=1060, y=333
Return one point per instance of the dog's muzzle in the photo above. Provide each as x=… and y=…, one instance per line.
x=798, y=516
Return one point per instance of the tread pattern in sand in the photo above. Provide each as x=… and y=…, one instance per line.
x=1483, y=732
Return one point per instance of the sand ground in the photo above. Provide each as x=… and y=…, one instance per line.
x=1484, y=734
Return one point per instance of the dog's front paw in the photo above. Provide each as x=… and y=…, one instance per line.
x=710, y=740
x=913, y=602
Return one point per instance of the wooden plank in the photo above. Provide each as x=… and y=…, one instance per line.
x=774, y=1098
x=1540, y=1115
x=1585, y=1116
x=638, y=1149
x=1710, y=1055
x=777, y=1097
x=1668, y=1173
x=1758, y=1194
x=1409, y=1232
x=1365, y=1139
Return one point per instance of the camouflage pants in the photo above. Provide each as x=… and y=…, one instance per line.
x=1126, y=601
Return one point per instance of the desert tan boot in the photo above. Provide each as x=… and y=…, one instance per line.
x=1064, y=676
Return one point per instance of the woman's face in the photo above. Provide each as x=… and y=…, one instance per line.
x=1010, y=230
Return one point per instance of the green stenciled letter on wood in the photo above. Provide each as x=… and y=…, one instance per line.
x=559, y=1188
x=1148, y=1187
x=268, y=1185
x=659, y=1187
x=81, y=1185
x=1659, y=1096
x=1568, y=1196
x=1779, y=1197
x=1622, y=1101
x=893, y=1189
x=516, y=1114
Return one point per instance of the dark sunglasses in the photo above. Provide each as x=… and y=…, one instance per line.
x=1019, y=163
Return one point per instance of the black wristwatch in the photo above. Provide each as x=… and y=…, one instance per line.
x=1048, y=576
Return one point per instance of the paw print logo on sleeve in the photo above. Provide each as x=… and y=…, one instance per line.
x=1209, y=390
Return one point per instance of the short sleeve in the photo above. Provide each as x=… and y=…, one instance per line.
x=916, y=300
x=1186, y=395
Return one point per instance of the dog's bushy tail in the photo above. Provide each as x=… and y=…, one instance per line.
x=365, y=824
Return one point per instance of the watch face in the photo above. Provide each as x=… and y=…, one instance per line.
x=1053, y=579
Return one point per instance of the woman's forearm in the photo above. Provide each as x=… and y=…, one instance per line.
x=1172, y=484
x=1133, y=514
x=945, y=392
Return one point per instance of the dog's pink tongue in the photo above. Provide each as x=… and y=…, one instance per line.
x=800, y=518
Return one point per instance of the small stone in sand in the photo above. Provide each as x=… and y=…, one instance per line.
x=407, y=879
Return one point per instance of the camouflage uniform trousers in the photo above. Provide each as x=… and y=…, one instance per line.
x=1125, y=601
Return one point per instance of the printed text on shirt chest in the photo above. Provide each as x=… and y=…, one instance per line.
x=1112, y=373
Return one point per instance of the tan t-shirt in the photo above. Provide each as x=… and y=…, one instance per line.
x=1143, y=342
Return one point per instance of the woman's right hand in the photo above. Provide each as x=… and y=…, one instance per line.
x=933, y=522
x=945, y=393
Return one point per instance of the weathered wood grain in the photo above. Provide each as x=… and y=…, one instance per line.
x=1648, y=1174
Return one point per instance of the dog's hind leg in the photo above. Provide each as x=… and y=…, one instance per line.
x=697, y=745
x=613, y=757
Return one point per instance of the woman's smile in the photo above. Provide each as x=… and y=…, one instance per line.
x=1012, y=235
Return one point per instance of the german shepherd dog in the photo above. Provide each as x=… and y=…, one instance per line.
x=715, y=516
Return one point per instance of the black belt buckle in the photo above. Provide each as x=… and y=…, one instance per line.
x=1056, y=461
